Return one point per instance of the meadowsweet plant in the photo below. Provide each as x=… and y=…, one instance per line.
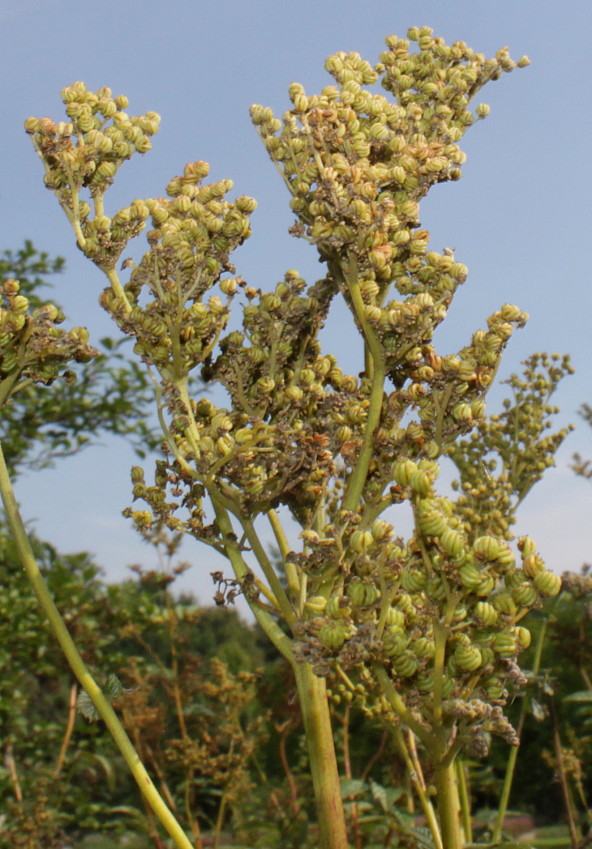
x=423, y=632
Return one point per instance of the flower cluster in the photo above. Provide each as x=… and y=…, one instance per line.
x=32, y=346
x=357, y=164
x=508, y=453
x=85, y=153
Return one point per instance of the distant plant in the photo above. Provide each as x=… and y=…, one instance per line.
x=111, y=393
x=424, y=633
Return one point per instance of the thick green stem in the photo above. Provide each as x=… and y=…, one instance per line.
x=27, y=558
x=449, y=812
x=312, y=692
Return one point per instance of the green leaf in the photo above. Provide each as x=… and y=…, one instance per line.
x=85, y=707
x=580, y=696
x=352, y=787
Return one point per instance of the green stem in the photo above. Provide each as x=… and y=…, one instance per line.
x=266, y=565
x=448, y=806
x=27, y=558
x=281, y=641
x=513, y=756
x=398, y=705
x=465, y=800
x=357, y=479
x=284, y=547
x=417, y=784
x=312, y=692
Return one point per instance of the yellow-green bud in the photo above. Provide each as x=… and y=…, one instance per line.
x=361, y=594
x=504, y=644
x=486, y=613
x=402, y=470
x=338, y=607
x=504, y=603
x=317, y=603
x=468, y=657
x=525, y=594
x=453, y=544
x=406, y=665
x=547, y=583
x=333, y=635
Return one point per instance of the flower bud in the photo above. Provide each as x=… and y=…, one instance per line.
x=402, y=470
x=470, y=576
x=338, y=607
x=361, y=594
x=360, y=541
x=485, y=613
x=468, y=657
x=547, y=583
x=316, y=604
x=504, y=644
x=413, y=580
x=453, y=544
x=333, y=635
x=423, y=647
x=406, y=664
x=525, y=594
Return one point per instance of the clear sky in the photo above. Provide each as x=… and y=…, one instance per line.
x=520, y=217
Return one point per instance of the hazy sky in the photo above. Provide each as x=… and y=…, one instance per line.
x=520, y=218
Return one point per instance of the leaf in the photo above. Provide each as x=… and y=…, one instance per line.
x=538, y=710
x=423, y=836
x=506, y=845
x=580, y=696
x=85, y=707
x=379, y=795
x=113, y=687
x=352, y=787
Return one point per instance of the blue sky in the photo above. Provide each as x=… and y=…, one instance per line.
x=520, y=217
